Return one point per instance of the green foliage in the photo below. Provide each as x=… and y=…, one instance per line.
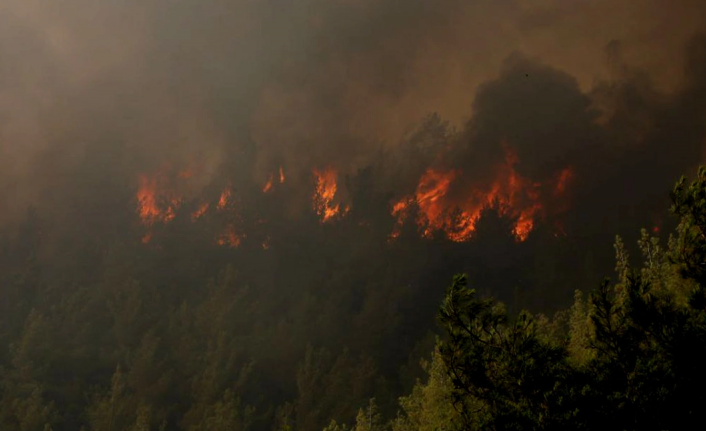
x=121, y=337
x=518, y=377
x=580, y=329
x=110, y=411
x=369, y=419
x=634, y=356
x=226, y=414
x=430, y=406
x=24, y=405
x=331, y=387
x=689, y=203
x=334, y=426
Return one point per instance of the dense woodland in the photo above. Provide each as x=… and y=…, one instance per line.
x=332, y=325
x=129, y=337
x=252, y=215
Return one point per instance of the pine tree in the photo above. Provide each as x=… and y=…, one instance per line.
x=430, y=406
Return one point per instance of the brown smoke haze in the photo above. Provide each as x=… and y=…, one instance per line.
x=211, y=191
x=94, y=93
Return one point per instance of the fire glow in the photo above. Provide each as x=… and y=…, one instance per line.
x=230, y=237
x=268, y=185
x=158, y=202
x=324, y=194
x=200, y=211
x=224, y=199
x=152, y=206
x=271, y=181
x=441, y=204
x=510, y=193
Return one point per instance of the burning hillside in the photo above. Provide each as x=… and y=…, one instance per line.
x=325, y=193
x=440, y=206
x=161, y=196
x=511, y=194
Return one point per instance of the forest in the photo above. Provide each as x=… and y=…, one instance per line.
x=336, y=215
x=119, y=355
x=134, y=349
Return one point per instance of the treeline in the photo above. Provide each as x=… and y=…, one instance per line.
x=630, y=357
x=100, y=332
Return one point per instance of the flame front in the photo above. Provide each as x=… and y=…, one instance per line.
x=224, y=199
x=158, y=202
x=148, y=201
x=508, y=192
x=324, y=194
x=440, y=203
x=268, y=185
x=154, y=204
x=563, y=180
x=230, y=237
x=399, y=211
x=200, y=211
x=271, y=180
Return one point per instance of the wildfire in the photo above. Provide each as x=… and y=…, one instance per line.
x=399, y=211
x=154, y=204
x=324, y=194
x=150, y=203
x=271, y=180
x=158, y=202
x=525, y=222
x=268, y=185
x=508, y=192
x=438, y=205
x=200, y=211
x=230, y=237
x=146, y=238
x=223, y=201
x=565, y=176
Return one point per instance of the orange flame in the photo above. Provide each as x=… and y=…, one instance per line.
x=441, y=206
x=565, y=176
x=224, y=199
x=510, y=193
x=230, y=237
x=148, y=197
x=158, y=203
x=431, y=189
x=268, y=185
x=147, y=201
x=324, y=194
x=154, y=204
x=399, y=211
x=200, y=211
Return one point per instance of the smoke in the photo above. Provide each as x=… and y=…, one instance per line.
x=238, y=88
x=584, y=111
